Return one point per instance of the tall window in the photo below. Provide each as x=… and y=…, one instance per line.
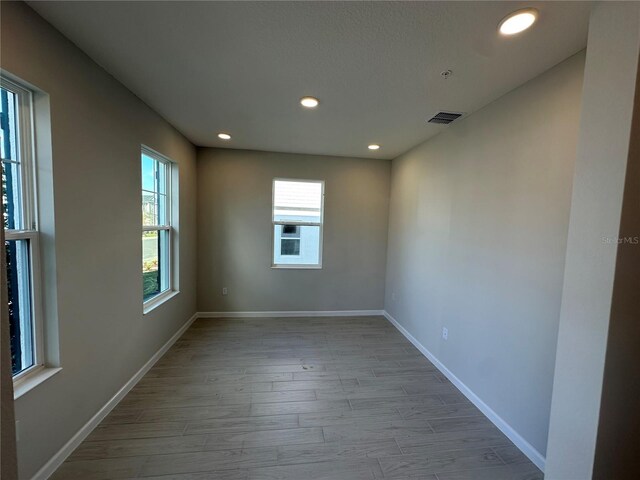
x=297, y=223
x=156, y=226
x=21, y=227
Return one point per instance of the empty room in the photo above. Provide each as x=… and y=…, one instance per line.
x=320, y=240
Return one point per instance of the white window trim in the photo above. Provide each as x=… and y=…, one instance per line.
x=38, y=372
x=164, y=296
x=297, y=266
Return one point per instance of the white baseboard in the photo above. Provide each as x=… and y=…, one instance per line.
x=54, y=462
x=292, y=313
x=529, y=450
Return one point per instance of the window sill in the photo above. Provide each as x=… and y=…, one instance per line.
x=297, y=267
x=155, y=302
x=32, y=379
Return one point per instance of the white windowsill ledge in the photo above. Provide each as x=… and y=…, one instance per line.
x=32, y=380
x=297, y=267
x=155, y=302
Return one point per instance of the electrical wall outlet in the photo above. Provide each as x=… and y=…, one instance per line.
x=224, y=290
x=393, y=296
x=445, y=333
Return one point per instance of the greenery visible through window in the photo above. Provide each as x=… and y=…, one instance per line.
x=156, y=225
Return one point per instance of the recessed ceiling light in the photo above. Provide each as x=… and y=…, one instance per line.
x=374, y=146
x=309, y=102
x=518, y=21
x=224, y=136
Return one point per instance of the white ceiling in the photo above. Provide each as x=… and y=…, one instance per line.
x=241, y=67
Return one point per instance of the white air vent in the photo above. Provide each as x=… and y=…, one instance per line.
x=444, y=118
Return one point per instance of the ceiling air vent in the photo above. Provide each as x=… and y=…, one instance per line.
x=444, y=118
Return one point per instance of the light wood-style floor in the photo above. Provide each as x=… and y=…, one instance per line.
x=299, y=399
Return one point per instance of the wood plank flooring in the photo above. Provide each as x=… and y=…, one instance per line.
x=298, y=399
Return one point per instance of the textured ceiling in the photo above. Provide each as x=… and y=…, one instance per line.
x=241, y=67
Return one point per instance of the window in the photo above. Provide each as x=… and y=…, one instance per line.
x=21, y=228
x=156, y=226
x=290, y=240
x=297, y=223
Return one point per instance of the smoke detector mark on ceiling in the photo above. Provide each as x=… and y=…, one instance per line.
x=445, y=118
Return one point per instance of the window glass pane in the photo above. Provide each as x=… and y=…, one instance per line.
x=150, y=264
x=155, y=262
x=149, y=208
x=20, y=308
x=154, y=174
x=297, y=201
x=163, y=211
x=9, y=130
x=303, y=250
x=148, y=173
x=291, y=231
x=165, y=265
x=155, y=209
x=290, y=246
x=12, y=196
x=9, y=151
x=162, y=177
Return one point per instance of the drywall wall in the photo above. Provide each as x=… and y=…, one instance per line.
x=477, y=237
x=617, y=446
x=97, y=129
x=234, y=233
x=603, y=149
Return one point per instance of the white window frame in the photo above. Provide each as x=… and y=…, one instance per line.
x=30, y=232
x=171, y=291
x=298, y=266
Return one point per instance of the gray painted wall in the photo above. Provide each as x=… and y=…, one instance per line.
x=477, y=237
x=98, y=127
x=603, y=149
x=234, y=233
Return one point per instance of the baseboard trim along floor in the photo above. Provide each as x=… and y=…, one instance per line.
x=58, y=459
x=293, y=313
x=525, y=447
